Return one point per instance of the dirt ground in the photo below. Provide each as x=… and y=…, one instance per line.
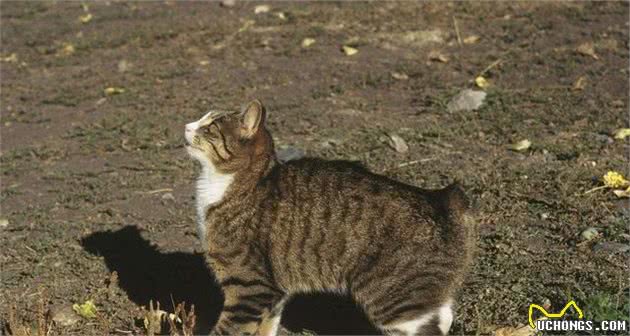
x=94, y=183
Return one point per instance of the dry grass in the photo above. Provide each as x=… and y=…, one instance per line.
x=17, y=325
x=180, y=323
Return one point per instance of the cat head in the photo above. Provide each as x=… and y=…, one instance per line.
x=229, y=142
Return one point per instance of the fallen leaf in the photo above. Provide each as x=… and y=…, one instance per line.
x=228, y=3
x=587, y=49
x=11, y=58
x=472, y=39
x=86, y=18
x=400, y=75
x=349, y=51
x=521, y=145
x=281, y=16
x=589, y=234
x=622, y=193
x=205, y=62
x=481, y=82
x=261, y=9
x=113, y=91
x=622, y=133
x=67, y=50
x=86, y=310
x=397, y=143
x=4, y=222
x=437, y=56
x=307, y=42
x=614, y=180
x=580, y=83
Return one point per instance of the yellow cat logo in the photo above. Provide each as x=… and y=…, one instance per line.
x=560, y=314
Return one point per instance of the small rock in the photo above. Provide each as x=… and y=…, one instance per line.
x=289, y=154
x=168, y=197
x=397, y=143
x=228, y=3
x=124, y=66
x=64, y=315
x=437, y=56
x=466, y=100
x=400, y=75
x=611, y=247
x=4, y=222
x=589, y=234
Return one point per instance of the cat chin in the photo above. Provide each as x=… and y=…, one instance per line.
x=199, y=155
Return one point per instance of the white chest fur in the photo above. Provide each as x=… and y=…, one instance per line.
x=211, y=187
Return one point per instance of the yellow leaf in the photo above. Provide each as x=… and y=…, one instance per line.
x=622, y=133
x=11, y=58
x=307, y=42
x=615, y=180
x=349, y=51
x=580, y=83
x=521, y=145
x=481, y=82
x=261, y=9
x=85, y=18
x=587, y=49
x=67, y=50
x=86, y=310
x=471, y=39
x=622, y=193
x=113, y=90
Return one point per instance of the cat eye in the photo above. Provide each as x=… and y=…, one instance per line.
x=211, y=131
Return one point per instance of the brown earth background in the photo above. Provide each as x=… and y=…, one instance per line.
x=93, y=183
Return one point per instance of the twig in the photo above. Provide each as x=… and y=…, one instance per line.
x=151, y=192
x=459, y=37
x=595, y=189
x=409, y=163
x=492, y=65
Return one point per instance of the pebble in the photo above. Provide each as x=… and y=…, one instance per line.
x=289, y=153
x=168, y=197
x=64, y=315
x=466, y=100
x=397, y=143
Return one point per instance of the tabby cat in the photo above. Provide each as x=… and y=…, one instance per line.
x=271, y=230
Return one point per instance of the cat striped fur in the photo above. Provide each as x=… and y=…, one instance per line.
x=315, y=225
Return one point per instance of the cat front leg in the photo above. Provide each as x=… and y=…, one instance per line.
x=270, y=324
x=247, y=304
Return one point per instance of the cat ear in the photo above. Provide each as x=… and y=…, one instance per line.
x=253, y=117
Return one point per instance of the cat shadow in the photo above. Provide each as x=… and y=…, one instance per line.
x=145, y=273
